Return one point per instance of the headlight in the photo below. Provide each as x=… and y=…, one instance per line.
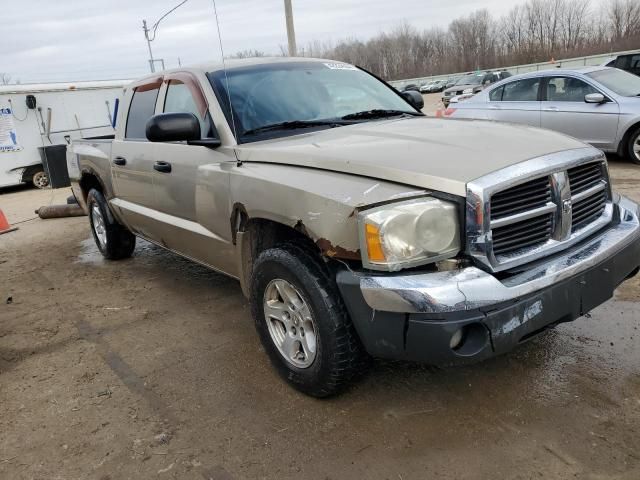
x=467, y=90
x=408, y=234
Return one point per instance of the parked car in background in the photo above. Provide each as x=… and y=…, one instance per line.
x=473, y=83
x=437, y=86
x=598, y=105
x=357, y=228
x=630, y=63
x=426, y=88
x=451, y=81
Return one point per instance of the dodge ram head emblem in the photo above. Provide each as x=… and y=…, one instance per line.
x=566, y=206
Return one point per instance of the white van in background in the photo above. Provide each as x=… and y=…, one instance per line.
x=36, y=117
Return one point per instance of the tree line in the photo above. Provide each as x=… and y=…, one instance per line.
x=531, y=32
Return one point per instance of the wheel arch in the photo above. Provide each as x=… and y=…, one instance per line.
x=622, y=146
x=253, y=235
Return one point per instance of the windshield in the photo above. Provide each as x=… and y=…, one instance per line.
x=623, y=83
x=473, y=79
x=313, y=92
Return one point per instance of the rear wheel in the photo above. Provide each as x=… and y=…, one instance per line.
x=40, y=179
x=303, y=323
x=633, y=146
x=113, y=240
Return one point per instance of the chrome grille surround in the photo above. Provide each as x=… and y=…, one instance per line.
x=563, y=233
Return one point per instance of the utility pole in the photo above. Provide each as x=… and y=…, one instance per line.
x=146, y=35
x=291, y=33
x=151, y=38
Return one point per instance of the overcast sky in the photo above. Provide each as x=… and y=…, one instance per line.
x=64, y=40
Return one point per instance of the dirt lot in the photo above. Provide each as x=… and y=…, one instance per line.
x=150, y=367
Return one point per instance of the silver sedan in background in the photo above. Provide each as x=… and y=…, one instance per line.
x=598, y=105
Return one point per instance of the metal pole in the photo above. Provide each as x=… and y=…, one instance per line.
x=146, y=35
x=291, y=33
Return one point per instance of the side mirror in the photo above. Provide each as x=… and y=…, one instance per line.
x=173, y=127
x=594, y=98
x=414, y=98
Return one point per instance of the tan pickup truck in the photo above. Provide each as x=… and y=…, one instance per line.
x=356, y=225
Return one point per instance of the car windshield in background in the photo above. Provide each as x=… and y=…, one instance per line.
x=474, y=79
x=301, y=95
x=623, y=83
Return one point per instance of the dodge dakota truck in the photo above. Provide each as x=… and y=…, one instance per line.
x=357, y=226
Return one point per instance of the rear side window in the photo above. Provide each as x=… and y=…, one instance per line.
x=496, y=94
x=143, y=105
x=521, y=91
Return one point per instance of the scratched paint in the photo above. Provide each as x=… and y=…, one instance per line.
x=531, y=312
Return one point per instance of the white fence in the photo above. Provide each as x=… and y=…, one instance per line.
x=532, y=67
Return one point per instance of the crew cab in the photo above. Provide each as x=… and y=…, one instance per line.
x=356, y=225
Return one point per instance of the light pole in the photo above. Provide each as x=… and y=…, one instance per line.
x=153, y=36
x=291, y=32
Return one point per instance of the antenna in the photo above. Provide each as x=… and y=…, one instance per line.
x=224, y=66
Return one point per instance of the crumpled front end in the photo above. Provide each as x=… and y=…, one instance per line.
x=471, y=314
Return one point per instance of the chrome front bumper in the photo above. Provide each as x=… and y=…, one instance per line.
x=472, y=288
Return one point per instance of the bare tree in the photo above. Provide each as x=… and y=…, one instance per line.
x=248, y=54
x=5, y=78
x=533, y=31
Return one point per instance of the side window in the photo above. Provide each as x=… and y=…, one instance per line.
x=565, y=89
x=495, y=95
x=521, y=91
x=179, y=99
x=142, y=108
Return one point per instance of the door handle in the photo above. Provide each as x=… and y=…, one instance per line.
x=163, y=167
x=494, y=107
x=551, y=109
x=120, y=161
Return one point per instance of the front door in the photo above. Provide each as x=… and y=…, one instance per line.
x=191, y=187
x=565, y=110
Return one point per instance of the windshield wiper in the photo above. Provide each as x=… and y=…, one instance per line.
x=293, y=125
x=379, y=113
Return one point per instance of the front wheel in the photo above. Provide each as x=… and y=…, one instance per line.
x=113, y=240
x=303, y=323
x=633, y=147
x=40, y=179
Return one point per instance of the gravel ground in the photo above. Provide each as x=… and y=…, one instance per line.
x=150, y=367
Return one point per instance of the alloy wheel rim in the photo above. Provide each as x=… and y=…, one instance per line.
x=290, y=323
x=97, y=221
x=636, y=147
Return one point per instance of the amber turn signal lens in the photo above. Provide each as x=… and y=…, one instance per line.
x=374, y=247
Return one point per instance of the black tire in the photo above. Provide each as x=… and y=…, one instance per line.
x=339, y=354
x=119, y=242
x=634, y=140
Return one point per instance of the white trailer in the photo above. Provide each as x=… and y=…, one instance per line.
x=35, y=117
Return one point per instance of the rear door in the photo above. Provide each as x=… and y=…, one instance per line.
x=564, y=110
x=516, y=102
x=132, y=158
x=192, y=188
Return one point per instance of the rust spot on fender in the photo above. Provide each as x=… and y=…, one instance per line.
x=336, y=251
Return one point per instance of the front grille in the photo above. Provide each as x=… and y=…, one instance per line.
x=510, y=224
x=521, y=198
x=588, y=210
x=588, y=193
x=515, y=203
x=522, y=235
x=584, y=177
x=543, y=213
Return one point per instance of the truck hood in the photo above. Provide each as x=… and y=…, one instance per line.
x=422, y=152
